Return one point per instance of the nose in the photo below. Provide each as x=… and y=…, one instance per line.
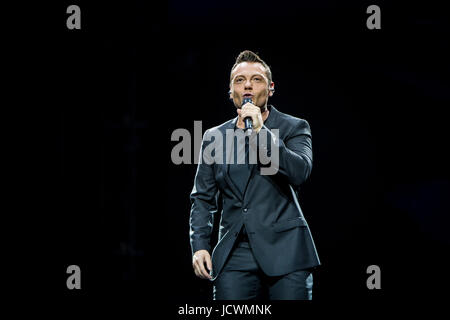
x=248, y=84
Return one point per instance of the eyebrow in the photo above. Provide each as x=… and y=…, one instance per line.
x=253, y=75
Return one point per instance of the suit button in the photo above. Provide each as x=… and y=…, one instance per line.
x=245, y=209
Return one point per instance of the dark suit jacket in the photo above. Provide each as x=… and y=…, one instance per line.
x=278, y=232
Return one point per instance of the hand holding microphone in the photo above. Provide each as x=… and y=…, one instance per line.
x=251, y=115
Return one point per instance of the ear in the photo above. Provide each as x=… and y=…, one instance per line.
x=271, y=89
x=230, y=94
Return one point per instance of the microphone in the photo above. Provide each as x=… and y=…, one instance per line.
x=248, y=120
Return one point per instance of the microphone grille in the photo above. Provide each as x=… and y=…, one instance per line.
x=247, y=99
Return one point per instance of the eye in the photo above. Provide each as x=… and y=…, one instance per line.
x=239, y=80
x=257, y=79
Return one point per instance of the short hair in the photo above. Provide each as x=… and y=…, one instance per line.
x=250, y=56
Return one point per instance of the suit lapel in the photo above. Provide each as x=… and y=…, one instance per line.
x=226, y=167
x=268, y=123
x=227, y=158
x=250, y=176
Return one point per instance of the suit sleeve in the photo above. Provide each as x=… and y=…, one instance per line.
x=203, y=202
x=294, y=153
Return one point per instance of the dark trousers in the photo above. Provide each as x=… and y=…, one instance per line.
x=242, y=279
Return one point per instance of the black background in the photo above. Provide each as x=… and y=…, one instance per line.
x=97, y=185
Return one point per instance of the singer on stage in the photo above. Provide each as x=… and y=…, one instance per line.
x=265, y=249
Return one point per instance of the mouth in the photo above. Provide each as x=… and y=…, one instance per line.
x=248, y=95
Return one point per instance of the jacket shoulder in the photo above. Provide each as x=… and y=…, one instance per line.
x=297, y=125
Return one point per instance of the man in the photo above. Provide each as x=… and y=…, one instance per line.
x=265, y=248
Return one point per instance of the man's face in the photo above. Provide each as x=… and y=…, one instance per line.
x=249, y=79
